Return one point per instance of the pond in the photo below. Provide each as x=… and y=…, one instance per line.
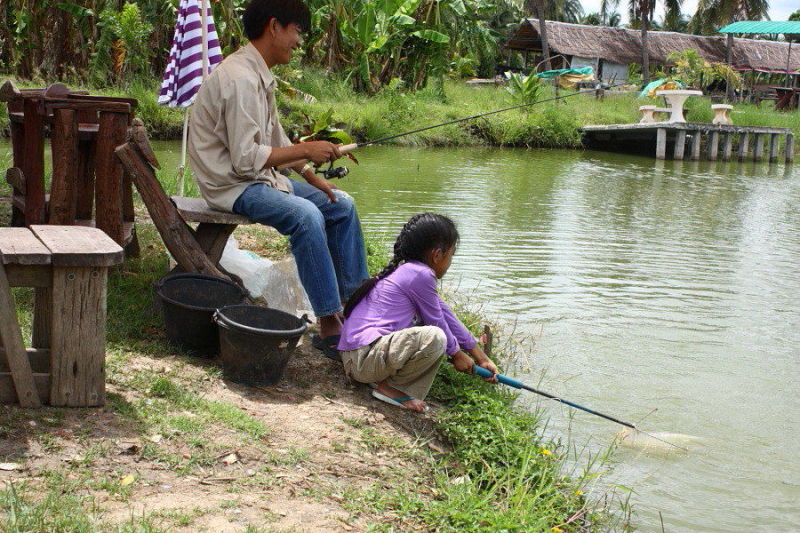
x=647, y=285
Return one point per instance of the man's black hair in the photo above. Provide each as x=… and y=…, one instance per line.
x=258, y=13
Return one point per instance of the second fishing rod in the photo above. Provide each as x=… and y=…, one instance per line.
x=346, y=148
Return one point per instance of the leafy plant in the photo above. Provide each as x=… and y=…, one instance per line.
x=694, y=71
x=524, y=89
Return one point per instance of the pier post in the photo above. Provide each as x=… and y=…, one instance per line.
x=773, y=147
x=680, y=144
x=713, y=146
x=727, y=148
x=758, y=147
x=789, y=147
x=696, y=137
x=744, y=142
x=661, y=143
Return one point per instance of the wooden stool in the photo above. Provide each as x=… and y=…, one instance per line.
x=722, y=114
x=68, y=267
x=649, y=113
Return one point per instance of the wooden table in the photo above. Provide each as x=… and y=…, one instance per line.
x=67, y=266
x=787, y=98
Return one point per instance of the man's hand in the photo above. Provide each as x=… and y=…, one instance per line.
x=462, y=362
x=322, y=184
x=319, y=152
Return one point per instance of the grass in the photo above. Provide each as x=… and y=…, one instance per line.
x=550, y=124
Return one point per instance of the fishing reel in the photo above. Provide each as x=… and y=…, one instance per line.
x=331, y=173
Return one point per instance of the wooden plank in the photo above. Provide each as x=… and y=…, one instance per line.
x=43, y=315
x=661, y=143
x=212, y=239
x=696, y=138
x=727, y=147
x=39, y=359
x=29, y=275
x=16, y=356
x=9, y=396
x=773, y=147
x=19, y=246
x=33, y=163
x=103, y=107
x=744, y=145
x=64, y=142
x=85, y=196
x=680, y=144
x=758, y=147
x=713, y=146
x=108, y=184
x=16, y=179
x=78, y=337
x=79, y=246
x=197, y=210
x=177, y=236
x=789, y=147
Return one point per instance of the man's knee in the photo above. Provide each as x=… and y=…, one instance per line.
x=308, y=218
x=432, y=340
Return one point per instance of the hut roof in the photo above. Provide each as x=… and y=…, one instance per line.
x=622, y=45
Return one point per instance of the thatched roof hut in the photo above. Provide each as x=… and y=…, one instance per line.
x=610, y=49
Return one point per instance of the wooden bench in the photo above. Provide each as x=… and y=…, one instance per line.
x=195, y=250
x=67, y=266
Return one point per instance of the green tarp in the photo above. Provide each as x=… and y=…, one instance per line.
x=584, y=71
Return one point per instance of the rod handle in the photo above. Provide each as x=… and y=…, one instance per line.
x=505, y=380
x=343, y=149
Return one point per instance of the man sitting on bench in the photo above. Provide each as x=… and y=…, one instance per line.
x=235, y=144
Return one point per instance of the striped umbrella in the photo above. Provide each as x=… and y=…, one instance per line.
x=195, y=51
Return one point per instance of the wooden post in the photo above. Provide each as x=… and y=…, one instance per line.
x=696, y=138
x=18, y=148
x=729, y=61
x=33, y=163
x=85, y=196
x=108, y=183
x=727, y=147
x=661, y=143
x=773, y=147
x=17, y=356
x=680, y=144
x=789, y=147
x=713, y=146
x=758, y=147
x=65, y=168
x=177, y=236
x=744, y=145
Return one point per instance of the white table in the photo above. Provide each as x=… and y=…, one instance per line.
x=675, y=100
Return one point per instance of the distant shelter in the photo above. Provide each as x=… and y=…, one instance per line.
x=610, y=50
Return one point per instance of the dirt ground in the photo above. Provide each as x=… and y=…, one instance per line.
x=327, y=441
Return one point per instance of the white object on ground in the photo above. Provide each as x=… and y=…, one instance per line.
x=277, y=282
x=675, y=99
x=722, y=114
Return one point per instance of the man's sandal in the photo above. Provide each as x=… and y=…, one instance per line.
x=397, y=402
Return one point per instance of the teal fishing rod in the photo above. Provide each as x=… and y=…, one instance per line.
x=511, y=382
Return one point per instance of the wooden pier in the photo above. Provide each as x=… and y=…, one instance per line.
x=693, y=140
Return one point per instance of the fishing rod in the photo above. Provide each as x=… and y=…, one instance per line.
x=511, y=382
x=341, y=172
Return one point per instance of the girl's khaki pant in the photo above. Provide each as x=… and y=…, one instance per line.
x=408, y=359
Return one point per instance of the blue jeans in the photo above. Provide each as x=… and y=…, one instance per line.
x=326, y=238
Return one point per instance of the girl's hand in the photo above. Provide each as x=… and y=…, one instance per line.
x=462, y=362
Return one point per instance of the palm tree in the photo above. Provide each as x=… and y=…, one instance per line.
x=711, y=15
x=641, y=13
x=535, y=7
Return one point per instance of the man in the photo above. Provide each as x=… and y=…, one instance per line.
x=236, y=142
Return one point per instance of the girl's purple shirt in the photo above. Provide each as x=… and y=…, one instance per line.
x=392, y=304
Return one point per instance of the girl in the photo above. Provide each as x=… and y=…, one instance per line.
x=379, y=342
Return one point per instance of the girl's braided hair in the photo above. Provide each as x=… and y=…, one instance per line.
x=421, y=234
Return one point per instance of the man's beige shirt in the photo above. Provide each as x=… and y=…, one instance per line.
x=232, y=129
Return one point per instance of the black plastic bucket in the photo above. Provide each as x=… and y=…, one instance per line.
x=188, y=303
x=256, y=342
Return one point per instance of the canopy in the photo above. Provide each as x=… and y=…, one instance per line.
x=763, y=26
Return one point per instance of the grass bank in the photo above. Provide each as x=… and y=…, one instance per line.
x=179, y=449
x=391, y=111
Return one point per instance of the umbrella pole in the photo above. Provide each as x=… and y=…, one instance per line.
x=182, y=168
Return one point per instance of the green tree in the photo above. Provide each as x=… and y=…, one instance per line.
x=641, y=16
x=712, y=15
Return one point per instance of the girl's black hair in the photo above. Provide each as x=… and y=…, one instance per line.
x=421, y=234
x=258, y=12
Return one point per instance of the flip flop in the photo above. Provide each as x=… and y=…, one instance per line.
x=327, y=346
x=397, y=402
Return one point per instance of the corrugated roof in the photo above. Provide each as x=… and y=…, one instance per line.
x=763, y=26
x=622, y=45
